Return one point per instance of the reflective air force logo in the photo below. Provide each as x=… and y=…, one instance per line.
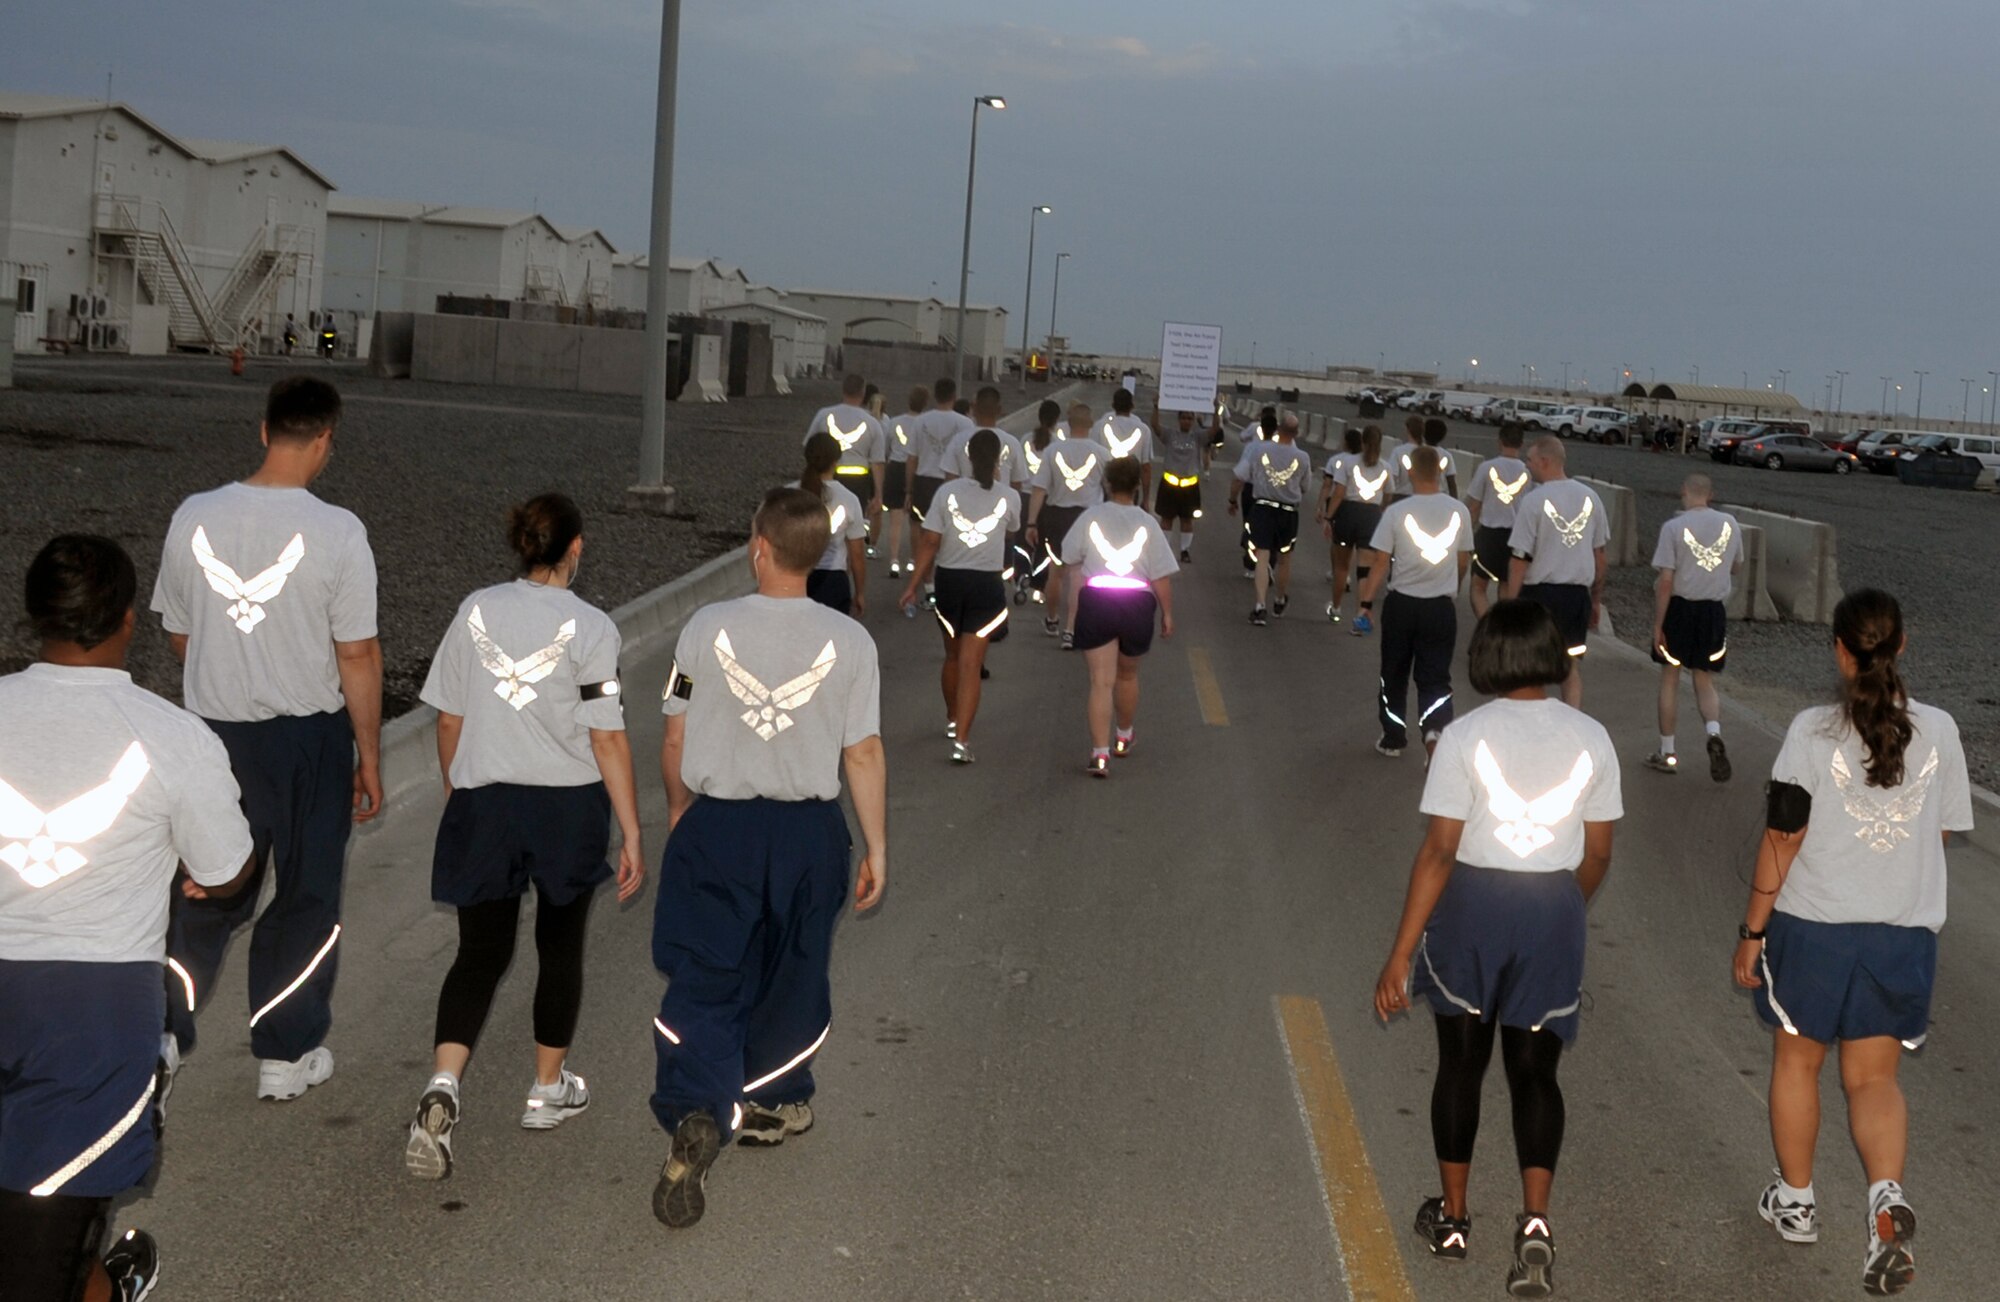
x=1121, y=447
x=1708, y=557
x=972, y=532
x=1883, y=819
x=836, y=520
x=247, y=598
x=1434, y=549
x=1279, y=478
x=1504, y=491
x=1524, y=824
x=517, y=677
x=1369, y=490
x=1570, y=531
x=1119, y=560
x=43, y=847
x=1075, y=478
x=767, y=715
x=847, y=438
x=1034, y=458
x=902, y=435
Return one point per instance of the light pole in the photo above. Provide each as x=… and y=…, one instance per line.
x=1965, y=402
x=1918, y=419
x=1784, y=380
x=1056, y=290
x=1565, y=377
x=1696, y=371
x=652, y=493
x=1996, y=398
x=1475, y=371
x=1882, y=409
x=965, y=250
x=1840, y=394
x=1028, y=299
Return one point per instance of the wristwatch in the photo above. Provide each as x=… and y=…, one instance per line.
x=1743, y=932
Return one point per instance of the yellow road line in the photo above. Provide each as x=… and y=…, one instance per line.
x=1362, y=1234
x=1206, y=690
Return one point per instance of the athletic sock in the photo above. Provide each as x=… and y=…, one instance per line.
x=1875, y=1190
x=446, y=1079
x=1787, y=1194
x=1100, y=752
x=1666, y=743
x=1713, y=727
x=1124, y=734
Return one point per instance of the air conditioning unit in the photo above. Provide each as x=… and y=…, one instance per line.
x=94, y=339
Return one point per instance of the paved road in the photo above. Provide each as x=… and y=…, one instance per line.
x=1078, y=1051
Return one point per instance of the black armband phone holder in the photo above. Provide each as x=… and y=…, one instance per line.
x=1787, y=807
x=679, y=685
x=598, y=691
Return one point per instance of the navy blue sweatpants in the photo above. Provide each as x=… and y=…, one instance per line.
x=743, y=930
x=297, y=776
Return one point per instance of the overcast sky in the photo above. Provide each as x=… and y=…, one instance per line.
x=1738, y=185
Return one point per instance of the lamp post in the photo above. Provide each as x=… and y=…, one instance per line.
x=1060, y=257
x=1696, y=372
x=1028, y=299
x=1996, y=399
x=965, y=250
x=1475, y=368
x=1965, y=402
x=1784, y=380
x=652, y=493
x=1883, y=408
x=1840, y=393
x=1918, y=419
x=1565, y=377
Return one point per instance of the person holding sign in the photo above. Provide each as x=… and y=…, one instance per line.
x=1185, y=453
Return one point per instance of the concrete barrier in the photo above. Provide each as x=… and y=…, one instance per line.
x=1801, y=571
x=611, y=361
x=532, y=355
x=1623, y=505
x=453, y=349
x=705, y=378
x=1749, y=595
x=389, y=350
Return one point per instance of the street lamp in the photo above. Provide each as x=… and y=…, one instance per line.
x=965, y=250
x=1028, y=299
x=652, y=493
x=1696, y=370
x=1996, y=391
x=1918, y=419
x=1060, y=257
x=1840, y=394
x=1965, y=402
x=1475, y=369
x=1565, y=377
x=1784, y=381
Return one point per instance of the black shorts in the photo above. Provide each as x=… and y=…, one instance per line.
x=1178, y=501
x=1490, y=553
x=1054, y=524
x=1274, y=526
x=1697, y=634
x=1354, y=523
x=896, y=492
x=860, y=483
x=494, y=840
x=1570, y=604
x=971, y=602
x=922, y=489
x=831, y=588
x=1121, y=614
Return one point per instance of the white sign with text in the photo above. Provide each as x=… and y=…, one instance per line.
x=1190, y=360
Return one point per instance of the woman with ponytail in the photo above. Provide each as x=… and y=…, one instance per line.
x=840, y=579
x=1839, y=940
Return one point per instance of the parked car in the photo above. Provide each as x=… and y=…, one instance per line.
x=1880, y=448
x=1531, y=413
x=1980, y=447
x=1591, y=422
x=1775, y=451
x=1462, y=405
x=1418, y=399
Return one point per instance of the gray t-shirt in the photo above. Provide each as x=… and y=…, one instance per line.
x=1112, y=540
x=972, y=524
x=1125, y=436
x=1366, y=484
x=898, y=433
x=1275, y=471
x=1013, y=466
x=1524, y=777
x=931, y=436
x=858, y=433
x=1423, y=535
x=774, y=688
x=1497, y=486
x=263, y=581
x=1701, y=548
x=1560, y=526
x=846, y=521
x=1180, y=452
x=104, y=790
x=1870, y=854
x=1399, y=468
x=1072, y=473
x=531, y=669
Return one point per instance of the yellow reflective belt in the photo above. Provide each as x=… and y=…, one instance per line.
x=852, y=470
x=1180, y=481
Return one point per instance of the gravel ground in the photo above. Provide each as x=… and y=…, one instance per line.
x=112, y=447
x=1924, y=545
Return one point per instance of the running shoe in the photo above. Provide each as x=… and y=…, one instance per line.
x=427, y=1152
x=961, y=753
x=1362, y=625
x=1099, y=766
x=551, y=1105
x=1068, y=640
x=134, y=1266
x=1533, y=1273
x=895, y=567
x=283, y=1081
x=1445, y=1236
x=1794, y=1222
x=1383, y=747
x=1660, y=762
x=1051, y=626
x=1258, y=617
x=678, y=1198
x=1187, y=557
x=1121, y=747
x=1278, y=606
x=871, y=551
x=768, y=1127
x=1332, y=613
x=1718, y=760
x=1890, y=1265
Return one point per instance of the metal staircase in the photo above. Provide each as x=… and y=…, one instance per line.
x=248, y=295
x=143, y=233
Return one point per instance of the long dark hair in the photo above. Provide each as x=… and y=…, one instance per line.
x=1046, y=417
x=1869, y=623
x=983, y=451
x=541, y=529
x=822, y=455
x=1371, y=445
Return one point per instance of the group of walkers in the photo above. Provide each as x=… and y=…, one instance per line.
x=137, y=835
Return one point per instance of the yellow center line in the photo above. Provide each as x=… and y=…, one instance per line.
x=1363, y=1237
x=1206, y=690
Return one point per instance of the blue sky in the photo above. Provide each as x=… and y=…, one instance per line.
x=1738, y=185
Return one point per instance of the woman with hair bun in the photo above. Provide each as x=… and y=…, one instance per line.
x=840, y=579
x=531, y=740
x=1839, y=939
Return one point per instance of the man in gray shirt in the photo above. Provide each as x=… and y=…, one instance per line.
x=1698, y=553
x=268, y=594
x=770, y=697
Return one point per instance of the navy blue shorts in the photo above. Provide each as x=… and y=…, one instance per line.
x=1697, y=634
x=1354, y=522
x=832, y=589
x=1569, y=603
x=1490, y=552
x=969, y=601
x=896, y=493
x=79, y=1061
x=859, y=483
x=494, y=840
x=1505, y=947
x=1121, y=615
x=1274, y=526
x=1834, y=981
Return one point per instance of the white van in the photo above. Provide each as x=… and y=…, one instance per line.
x=1982, y=447
x=1462, y=405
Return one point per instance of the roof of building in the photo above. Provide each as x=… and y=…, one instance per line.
x=233, y=151
x=20, y=105
x=776, y=309
x=864, y=298
x=401, y=210
x=1716, y=395
x=575, y=233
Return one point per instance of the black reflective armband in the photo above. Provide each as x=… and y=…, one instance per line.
x=599, y=691
x=1787, y=807
x=678, y=684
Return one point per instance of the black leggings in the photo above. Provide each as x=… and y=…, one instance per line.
x=485, y=948
x=51, y=1245
x=1465, y=1046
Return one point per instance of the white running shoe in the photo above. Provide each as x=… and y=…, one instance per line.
x=1890, y=1264
x=1794, y=1222
x=284, y=1081
x=551, y=1105
x=427, y=1154
x=767, y=1127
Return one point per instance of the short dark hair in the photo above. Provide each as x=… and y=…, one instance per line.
x=541, y=529
x=80, y=588
x=1510, y=435
x=1121, y=400
x=1425, y=464
x=1435, y=431
x=944, y=391
x=1122, y=476
x=300, y=407
x=1516, y=645
x=854, y=385
x=795, y=523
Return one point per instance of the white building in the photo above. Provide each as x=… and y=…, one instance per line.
x=695, y=286
x=798, y=339
x=117, y=235
x=392, y=255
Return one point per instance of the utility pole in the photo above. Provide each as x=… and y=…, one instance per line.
x=1918, y=419
x=965, y=250
x=652, y=494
